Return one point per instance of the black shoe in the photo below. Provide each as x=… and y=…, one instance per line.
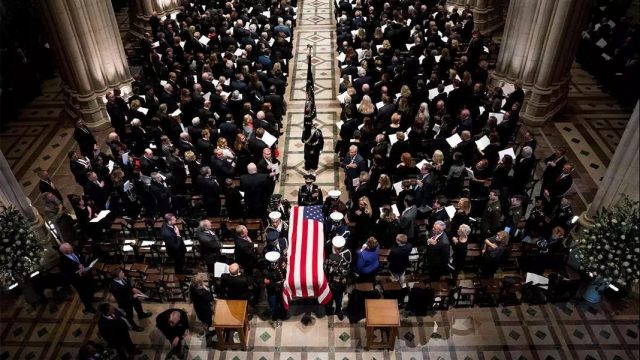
x=145, y=315
x=340, y=315
x=138, y=328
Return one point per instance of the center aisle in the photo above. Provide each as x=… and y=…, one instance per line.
x=315, y=27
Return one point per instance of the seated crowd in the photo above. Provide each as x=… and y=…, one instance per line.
x=193, y=170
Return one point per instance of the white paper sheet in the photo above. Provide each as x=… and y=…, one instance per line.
x=207, y=96
x=110, y=166
x=421, y=164
x=182, y=44
x=409, y=46
x=339, y=124
x=394, y=208
x=508, y=151
x=101, y=215
x=379, y=104
x=397, y=187
x=125, y=158
x=437, y=57
x=355, y=182
x=454, y=140
x=275, y=168
x=204, y=40
x=433, y=93
x=483, y=142
x=601, y=43
x=451, y=210
x=176, y=113
x=268, y=139
x=341, y=57
x=163, y=82
x=481, y=109
x=155, y=44
x=143, y=110
x=448, y=88
x=219, y=269
x=393, y=139
x=499, y=117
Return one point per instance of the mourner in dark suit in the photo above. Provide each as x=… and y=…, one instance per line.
x=202, y=299
x=114, y=329
x=438, y=250
x=128, y=298
x=85, y=139
x=399, y=258
x=235, y=285
x=174, y=325
x=46, y=184
x=256, y=192
x=75, y=273
x=173, y=241
x=245, y=252
x=209, y=244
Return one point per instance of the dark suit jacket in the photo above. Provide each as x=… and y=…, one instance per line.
x=174, y=243
x=221, y=168
x=209, y=243
x=399, y=258
x=85, y=141
x=98, y=194
x=235, y=287
x=407, y=221
x=46, y=187
x=171, y=332
x=256, y=190
x=122, y=293
x=115, y=331
x=245, y=253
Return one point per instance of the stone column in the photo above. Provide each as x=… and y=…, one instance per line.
x=143, y=11
x=539, y=45
x=91, y=60
x=621, y=177
x=487, y=15
x=11, y=194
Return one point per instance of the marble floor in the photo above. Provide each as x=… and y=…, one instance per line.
x=590, y=128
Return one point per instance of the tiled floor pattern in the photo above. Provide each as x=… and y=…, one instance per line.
x=315, y=28
x=571, y=330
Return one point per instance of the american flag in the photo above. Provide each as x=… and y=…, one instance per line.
x=305, y=273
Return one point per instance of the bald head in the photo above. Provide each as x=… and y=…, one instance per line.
x=234, y=269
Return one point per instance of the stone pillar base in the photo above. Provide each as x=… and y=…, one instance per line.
x=92, y=107
x=540, y=104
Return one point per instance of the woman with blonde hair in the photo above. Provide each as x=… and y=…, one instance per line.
x=462, y=215
x=459, y=245
x=247, y=125
x=382, y=195
x=226, y=150
x=366, y=107
x=202, y=299
x=362, y=217
x=387, y=227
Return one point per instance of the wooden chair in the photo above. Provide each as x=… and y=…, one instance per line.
x=465, y=293
x=511, y=291
x=256, y=229
x=441, y=293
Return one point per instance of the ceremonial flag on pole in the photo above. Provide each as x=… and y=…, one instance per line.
x=305, y=272
x=310, y=103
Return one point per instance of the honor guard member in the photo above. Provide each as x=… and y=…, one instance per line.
x=563, y=215
x=336, y=227
x=337, y=267
x=276, y=242
x=313, y=144
x=333, y=204
x=274, y=276
x=309, y=193
x=277, y=203
x=276, y=224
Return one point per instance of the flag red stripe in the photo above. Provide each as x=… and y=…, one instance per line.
x=292, y=253
x=303, y=264
x=316, y=255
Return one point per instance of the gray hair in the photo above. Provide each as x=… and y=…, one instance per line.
x=441, y=224
x=465, y=229
x=252, y=169
x=527, y=151
x=195, y=121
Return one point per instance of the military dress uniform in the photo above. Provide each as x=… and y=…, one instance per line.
x=313, y=144
x=309, y=194
x=274, y=277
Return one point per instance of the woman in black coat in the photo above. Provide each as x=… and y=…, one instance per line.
x=202, y=300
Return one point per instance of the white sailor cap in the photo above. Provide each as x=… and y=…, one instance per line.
x=338, y=241
x=334, y=194
x=272, y=256
x=275, y=215
x=336, y=216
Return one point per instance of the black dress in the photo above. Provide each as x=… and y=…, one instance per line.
x=202, y=300
x=459, y=255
